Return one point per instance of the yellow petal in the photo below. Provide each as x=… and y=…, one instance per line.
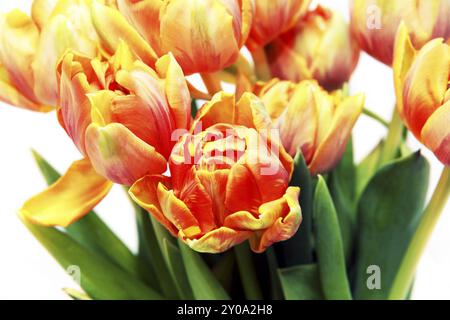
x=18, y=41
x=331, y=149
x=76, y=193
x=41, y=11
x=404, y=56
x=113, y=28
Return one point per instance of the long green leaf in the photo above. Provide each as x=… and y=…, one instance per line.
x=367, y=168
x=91, y=231
x=330, y=251
x=342, y=189
x=301, y=282
x=99, y=277
x=299, y=249
x=389, y=211
x=203, y=283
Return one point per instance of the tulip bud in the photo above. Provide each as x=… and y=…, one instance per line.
x=220, y=193
x=122, y=114
x=422, y=83
x=311, y=120
x=272, y=18
x=319, y=47
x=374, y=23
x=204, y=36
x=31, y=49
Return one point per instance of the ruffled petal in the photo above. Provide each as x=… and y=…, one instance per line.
x=284, y=227
x=76, y=193
x=216, y=241
x=41, y=11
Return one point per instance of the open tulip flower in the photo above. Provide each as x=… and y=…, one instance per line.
x=204, y=36
x=319, y=47
x=220, y=193
x=273, y=18
x=422, y=79
x=31, y=47
x=374, y=23
x=311, y=120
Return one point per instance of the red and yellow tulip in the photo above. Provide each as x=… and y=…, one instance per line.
x=31, y=47
x=229, y=184
x=311, y=120
x=422, y=84
x=374, y=23
x=121, y=115
x=204, y=36
x=272, y=18
x=319, y=47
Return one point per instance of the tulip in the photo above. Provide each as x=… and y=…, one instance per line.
x=272, y=18
x=311, y=120
x=374, y=23
x=319, y=47
x=204, y=36
x=422, y=79
x=220, y=195
x=30, y=49
x=121, y=115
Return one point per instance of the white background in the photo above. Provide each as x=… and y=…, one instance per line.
x=28, y=272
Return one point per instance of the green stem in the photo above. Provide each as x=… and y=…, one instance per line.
x=262, y=68
x=394, y=138
x=376, y=117
x=247, y=272
x=405, y=275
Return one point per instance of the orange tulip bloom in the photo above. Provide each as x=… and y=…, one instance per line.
x=30, y=49
x=121, y=114
x=312, y=120
x=319, y=47
x=204, y=36
x=374, y=23
x=422, y=83
x=220, y=194
x=272, y=18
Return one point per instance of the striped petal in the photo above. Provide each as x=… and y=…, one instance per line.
x=76, y=193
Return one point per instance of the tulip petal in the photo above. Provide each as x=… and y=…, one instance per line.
x=404, y=56
x=121, y=156
x=252, y=113
x=436, y=133
x=216, y=241
x=221, y=109
x=426, y=84
x=18, y=41
x=69, y=199
x=331, y=149
x=144, y=193
x=113, y=28
x=284, y=227
x=200, y=34
x=41, y=11
x=176, y=88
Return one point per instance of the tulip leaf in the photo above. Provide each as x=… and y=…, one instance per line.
x=329, y=247
x=389, y=212
x=342, y=190
x=299, y=249
x=98, y=276
x=151, y=254
x=367, y=168
x=176, y=267
x=91, y=231
x=194, y=108
x=204, y=284
x=76, y=295
x=301, y=282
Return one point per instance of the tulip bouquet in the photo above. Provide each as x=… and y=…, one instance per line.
x=250, y=193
